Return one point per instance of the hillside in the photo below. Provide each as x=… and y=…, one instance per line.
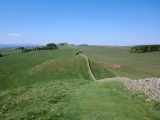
x=121, y=63
x=55, y=84
x=37, y=66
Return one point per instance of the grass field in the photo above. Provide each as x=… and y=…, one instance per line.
x=120, y=62
x=75, y=100
x=38, y=66
x=55, y=85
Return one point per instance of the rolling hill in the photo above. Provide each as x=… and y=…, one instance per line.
x=55, y=84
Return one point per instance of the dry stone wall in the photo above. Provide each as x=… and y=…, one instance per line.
x=150, y=86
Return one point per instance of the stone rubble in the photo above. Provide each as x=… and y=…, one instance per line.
x=150, y=86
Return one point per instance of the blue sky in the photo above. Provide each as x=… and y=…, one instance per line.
x=95, y=22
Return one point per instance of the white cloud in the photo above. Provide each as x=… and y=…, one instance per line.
x=14, y=34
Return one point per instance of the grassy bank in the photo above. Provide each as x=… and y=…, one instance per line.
x=99, y=70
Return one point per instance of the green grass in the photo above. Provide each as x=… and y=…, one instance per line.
x=9, y=51
x=122, y=63
x=47, y=100
x=38, y=66
x=99, y=71
x=55, y=85
x=111, y=101
x=75, y=100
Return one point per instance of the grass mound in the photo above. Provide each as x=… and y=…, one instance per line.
x=24, y=69
x=62, y=68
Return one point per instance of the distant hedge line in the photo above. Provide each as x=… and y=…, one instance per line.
x=145, y=48
x=50, y=46
x=38, y=48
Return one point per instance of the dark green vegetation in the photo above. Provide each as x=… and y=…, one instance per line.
x=145, y=48
x=55, y=85
x=83, y=45
x=122, y=63
x=0, y=55
x=49, y=46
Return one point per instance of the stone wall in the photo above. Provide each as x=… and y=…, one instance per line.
x=150, y=86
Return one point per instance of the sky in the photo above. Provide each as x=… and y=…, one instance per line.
x=93, y=22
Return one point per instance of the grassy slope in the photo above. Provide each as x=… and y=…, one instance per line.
x=75, y=100
x=111, y=101
x=64, y=91
x=28, y=68
x=133, y=65
x=9, y=51
x=99, y=71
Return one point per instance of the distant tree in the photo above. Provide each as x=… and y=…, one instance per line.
x=37, y=48
x=62, y=44
x=29, y=50
x=33, y=49
x=145, y=48
x=83, y=45
x=51, y=46
x=0, y=55
x=25, y=50
x=20, y=48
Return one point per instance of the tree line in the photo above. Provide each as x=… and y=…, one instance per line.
x=49, y=46
x=145, y=48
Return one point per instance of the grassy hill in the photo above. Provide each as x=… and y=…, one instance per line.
x=38, y=66
x=120, y=62
x=55, y=85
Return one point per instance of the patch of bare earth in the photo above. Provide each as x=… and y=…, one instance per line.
x=111, y=65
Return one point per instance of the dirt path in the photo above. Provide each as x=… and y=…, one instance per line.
x=89, y=67
x=150, y=86
x=101, y=80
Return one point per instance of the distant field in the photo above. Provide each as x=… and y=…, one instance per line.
x=120, y=62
